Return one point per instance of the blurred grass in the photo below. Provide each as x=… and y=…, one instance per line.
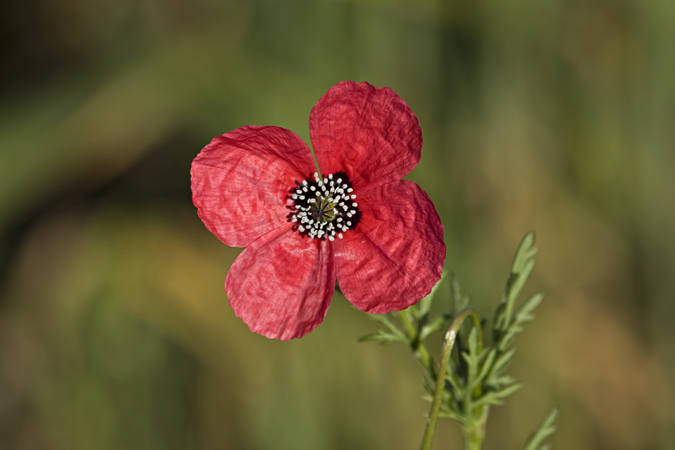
x=115, y=331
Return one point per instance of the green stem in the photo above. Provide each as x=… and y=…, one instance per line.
x=422, y=355
x=407, y=324
x=473, y=436
x=418, y=348
x=448, y=343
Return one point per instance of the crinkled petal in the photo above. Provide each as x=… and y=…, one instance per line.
x=395, y=254
x=281, y=284
x=241, y=179
x=368, y=132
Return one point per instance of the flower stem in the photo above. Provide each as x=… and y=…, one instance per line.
x=448, y=343
x=417, y=346
x=422, y=355
x=474, y=435
x=407, y=324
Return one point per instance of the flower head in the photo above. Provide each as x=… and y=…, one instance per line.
x=358, y=222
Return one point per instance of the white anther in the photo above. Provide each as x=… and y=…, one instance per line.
x=355, y=204
x=301, y=228
x=353, y=195
x=331, y=238
x=350, y=189
x=340, y=235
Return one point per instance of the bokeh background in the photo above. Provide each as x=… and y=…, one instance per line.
x=115, y=331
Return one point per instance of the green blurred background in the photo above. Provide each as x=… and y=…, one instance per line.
x=115, y=331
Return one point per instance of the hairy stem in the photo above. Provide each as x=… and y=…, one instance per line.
x=474, y=434
x=418, y=348
x=448, y=343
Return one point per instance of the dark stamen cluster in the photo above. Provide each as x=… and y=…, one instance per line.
x=324, y=208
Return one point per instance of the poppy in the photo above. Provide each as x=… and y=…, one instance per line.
x=357, y=223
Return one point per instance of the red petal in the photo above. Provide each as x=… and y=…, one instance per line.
x=281, y=285
x=395, y=254
x=368, y=132
x=241, y=179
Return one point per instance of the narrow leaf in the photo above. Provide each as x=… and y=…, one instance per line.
x=383, y=338
x=425, y=303
x=457, y=301
x=496, y=397
x=436, y=325
x=521, y=267
x=545, y=429
x=486, y=367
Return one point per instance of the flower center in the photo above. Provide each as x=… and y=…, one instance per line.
x=324, y=208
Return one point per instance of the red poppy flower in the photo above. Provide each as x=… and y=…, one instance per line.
x=360, y=223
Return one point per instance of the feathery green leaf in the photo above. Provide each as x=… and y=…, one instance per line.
x=545, y=429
